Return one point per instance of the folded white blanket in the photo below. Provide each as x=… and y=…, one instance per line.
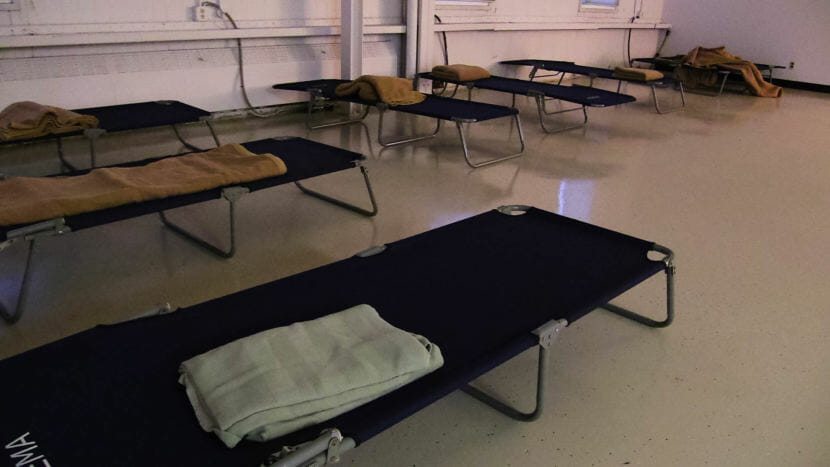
x=266, y=385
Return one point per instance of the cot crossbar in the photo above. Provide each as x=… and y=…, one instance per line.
x=114, y=387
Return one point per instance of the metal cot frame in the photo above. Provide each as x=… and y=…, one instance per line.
x=676, y=62
x=232, y=194
x=330, y=445
x=317, y=97
x=93, y=134
x=654, y=84
x=538, y=97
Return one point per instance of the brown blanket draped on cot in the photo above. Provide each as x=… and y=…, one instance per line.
x=718, y=57
x=25, y=200
x=27, y=119
x=639, y=74
x=459, y=72
x=386, y=89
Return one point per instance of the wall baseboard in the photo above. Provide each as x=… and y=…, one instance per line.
x=802, y=85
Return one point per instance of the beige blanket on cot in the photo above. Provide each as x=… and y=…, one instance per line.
x=25, y=200
x=459, y=72
x=275, y=382
x=702, y=58
x=387, y=89
x=639, y=74
x=27, y=119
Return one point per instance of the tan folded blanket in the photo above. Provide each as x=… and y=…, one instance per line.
x=25, y=200
x=639, y=74
x=27, y=119
x=459, y=72
x=387, y=89
x=718, y=57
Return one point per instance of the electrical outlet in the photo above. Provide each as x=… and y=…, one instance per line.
x=203, y=13
x=792, y=65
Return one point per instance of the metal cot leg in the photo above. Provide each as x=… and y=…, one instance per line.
x=192, y=147
x=460, y=125
x=674, y=109
x=344, y=204
x=231, y=195
x=14, y=311
x=212, y=132
x=547, y=336
x=668, y=262
x=64, y=163
x=28, y=234
x=401, y=140
x=93, y=134
x=315, y=96
x=540, y=106
x=723, y=83
x=182, y=140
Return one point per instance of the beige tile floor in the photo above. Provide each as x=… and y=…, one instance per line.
x=737, y=186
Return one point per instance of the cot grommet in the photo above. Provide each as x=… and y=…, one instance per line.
x=513, y=209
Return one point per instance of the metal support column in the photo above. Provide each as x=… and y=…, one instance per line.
x=351, y=42
x=411, y=49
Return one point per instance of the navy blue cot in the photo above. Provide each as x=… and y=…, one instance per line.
x=135, y=116
x=439, y=108
x=562, y=68
x=109, y=395
x=304, y=159
x=541, y=92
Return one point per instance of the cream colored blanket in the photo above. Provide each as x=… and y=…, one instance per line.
x=275, y=382
x=27, y=119
x=25, y=200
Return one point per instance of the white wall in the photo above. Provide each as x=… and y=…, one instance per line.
x=547, y=29
x=776, y=32
x=78, y=53
x=144, y=61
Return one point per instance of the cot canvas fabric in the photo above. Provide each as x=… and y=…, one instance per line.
x=277, y=381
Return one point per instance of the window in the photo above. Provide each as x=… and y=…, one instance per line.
x=467, y=3
x=9, y=4
x=598, y=4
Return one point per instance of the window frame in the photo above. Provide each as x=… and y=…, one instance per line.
x=598, y=6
